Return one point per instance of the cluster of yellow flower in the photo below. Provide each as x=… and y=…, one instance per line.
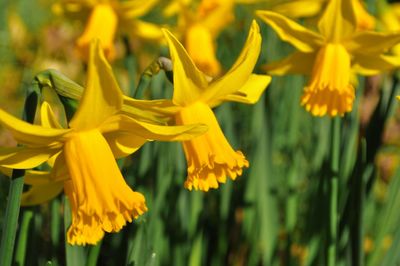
x=82, y=156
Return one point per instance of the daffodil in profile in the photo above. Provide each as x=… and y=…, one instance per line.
x=84, y=155
x=331, y=55
x=106, y=17
x=210, y=157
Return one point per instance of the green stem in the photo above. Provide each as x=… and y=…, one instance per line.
x=333, y=191
x=11, y=218
x=14, y=196
x=357, y=201
x=94, y=253
x=23, y=237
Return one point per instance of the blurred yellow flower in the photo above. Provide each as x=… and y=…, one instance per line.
x=210, y=157
x=313, y=8
x=109, y=16
x=389, y=16
x=331, y=55
x=200, y=28
x=84, y=154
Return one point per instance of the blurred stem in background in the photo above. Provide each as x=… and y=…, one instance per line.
x=333, y=190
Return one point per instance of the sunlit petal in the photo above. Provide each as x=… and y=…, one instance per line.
x=374, y=64
x=102, y=96
x=26, y=133
x=369, y=42
x=299, y=8
x=102, y=25
x=201, y=48
x=47, y=117
x=189, y=82
x=124, y=144
x=150, y=131
x=238, y=75
x=158, y=111
x=134, y=8
x=338, y=20
x=25, y=158
x=300, y=37
x=250, y=92
x=290, y=64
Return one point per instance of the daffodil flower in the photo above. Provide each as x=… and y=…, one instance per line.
x=331, y=55
x=85, y=154
x=200, y=28
x=106, y=17
x=210, y=157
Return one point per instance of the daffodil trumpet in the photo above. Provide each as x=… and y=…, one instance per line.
x=210, y=158
x=83, y=155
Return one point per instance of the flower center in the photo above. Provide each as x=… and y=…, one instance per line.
x=329, y=90
x=210, y=157
x=100, y=199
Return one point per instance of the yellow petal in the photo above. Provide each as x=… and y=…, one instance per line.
x=374, y=64
x=102, y=25
x=300, y=37
x=123, y=144
x=290, y=64
x=134, y=8
x=25, y=158
x=26, y=133
x=201, y=49
x=47, y=117
x=102, y=97
x=299, y=9
x=59, y=172
x=369, y=42
x=149, y=131
x=156, y=111
x=365, y=21
x=216, y=20
x=39, y=194
x=143, y=30
x=35, y=177
x=31, y=177
x=338, y=20
x=250, y=92
x=240, y=72
x=189, y=82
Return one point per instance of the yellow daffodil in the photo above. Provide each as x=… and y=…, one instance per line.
x=108, y=16
x=210, y=157
x=84, y=154
x=200, y=28
x=313, y=8
x=331, y=55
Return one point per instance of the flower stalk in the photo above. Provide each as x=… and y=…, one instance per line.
x=333, y=192
x=10, y=225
